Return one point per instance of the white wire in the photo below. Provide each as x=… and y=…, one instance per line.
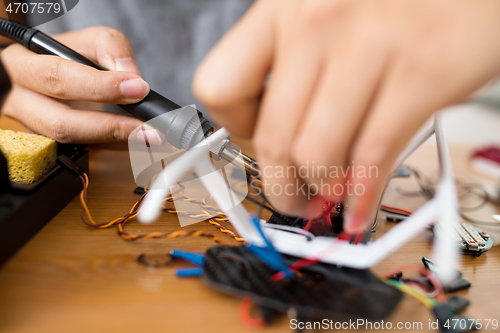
x=295, y=230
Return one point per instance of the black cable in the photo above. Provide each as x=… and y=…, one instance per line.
x=294, y=224
x=247, y=197
x=260, y=210
x=259, y=191
x=385, y=210
x=426, y=190
x=469, y=190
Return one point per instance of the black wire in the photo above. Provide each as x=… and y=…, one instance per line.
x=259, y=191
x=424, y=183
x=385, y=210
x=375, y=223
x=259, y=203
x=484, y=194
x=426, y=190
x=294, y=224
x=260, y=209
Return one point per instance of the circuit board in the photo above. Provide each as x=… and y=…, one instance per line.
x=329, y=224
x=472, y=240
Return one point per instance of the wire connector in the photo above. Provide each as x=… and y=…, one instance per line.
x=71, y=166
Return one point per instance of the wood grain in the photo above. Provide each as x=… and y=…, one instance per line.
x=72, y=278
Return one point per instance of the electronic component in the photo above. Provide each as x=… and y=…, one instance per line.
x=349, y=253
x=330, y=224
x=457, y=304
x=447, y=320
x=320, y=226
x=319, y=291
x=456, y=284
x=471, y=239
x=431, y=265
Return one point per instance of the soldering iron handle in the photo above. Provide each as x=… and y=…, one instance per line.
x=152, y=106
x=40, y=43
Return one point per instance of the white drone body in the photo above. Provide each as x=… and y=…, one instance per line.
x=441, y=209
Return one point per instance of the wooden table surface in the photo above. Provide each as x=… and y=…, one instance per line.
x=73, y=278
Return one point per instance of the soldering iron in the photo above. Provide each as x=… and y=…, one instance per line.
x=181, y=131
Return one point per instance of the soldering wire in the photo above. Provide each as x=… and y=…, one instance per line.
x=120, y=222
x=213, y=220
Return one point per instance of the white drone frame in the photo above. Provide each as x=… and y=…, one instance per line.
x=440, y=209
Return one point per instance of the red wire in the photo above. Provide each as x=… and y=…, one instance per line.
x=278, y=276
x=396, y=209
x=328, y=215
x=308, y=225
x=358, y=238
x=301, y=263
x=245, y=317
x=424, y=271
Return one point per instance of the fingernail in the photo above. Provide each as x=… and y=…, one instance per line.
x=126, y=65
x=149, y=136
x=135, y=89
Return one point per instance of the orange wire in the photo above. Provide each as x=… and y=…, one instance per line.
x=396, y=209
x=308, y=225
x=180, y=233
x=245, y=317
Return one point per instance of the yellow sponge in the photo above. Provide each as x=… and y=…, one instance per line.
x=29, y=156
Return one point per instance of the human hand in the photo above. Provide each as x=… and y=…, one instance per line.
x=351, y=82
x=41, y=83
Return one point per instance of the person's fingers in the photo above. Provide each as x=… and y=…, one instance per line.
x=65, y=79
x=107, y=46
x=286, y=98
x=388, y=128
x=230, y=80
x=403, y=105
x=48, y=117
x=336, y=111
